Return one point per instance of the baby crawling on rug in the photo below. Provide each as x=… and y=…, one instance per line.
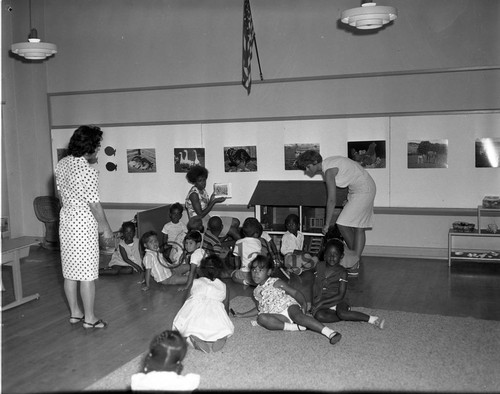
x=280, y=306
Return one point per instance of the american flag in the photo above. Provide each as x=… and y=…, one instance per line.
x=248, y=40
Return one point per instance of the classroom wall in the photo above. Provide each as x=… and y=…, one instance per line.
x=438, y=57
x=397, y=185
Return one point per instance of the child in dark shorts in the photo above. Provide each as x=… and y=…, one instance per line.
x=329, y=290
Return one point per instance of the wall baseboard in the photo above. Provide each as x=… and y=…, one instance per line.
x=406, y=252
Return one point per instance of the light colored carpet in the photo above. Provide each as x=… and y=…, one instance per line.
x=414, y=352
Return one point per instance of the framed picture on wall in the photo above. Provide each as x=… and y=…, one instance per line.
x=292, y=151
x=428, y=154
x=240, y=159
x=370, y=154
x=488, y=152
x=141, y=160
x=185, y=158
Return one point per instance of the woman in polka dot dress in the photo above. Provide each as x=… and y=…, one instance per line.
x=81, y=220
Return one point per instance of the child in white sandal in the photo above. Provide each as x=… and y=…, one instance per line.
x=281, y=307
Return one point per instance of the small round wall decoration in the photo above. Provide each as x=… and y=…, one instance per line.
x=110, y=151
x=111, y=166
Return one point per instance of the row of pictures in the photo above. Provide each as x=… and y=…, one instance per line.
x=370, y=154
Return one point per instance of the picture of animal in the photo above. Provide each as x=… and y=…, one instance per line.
x=185, y=158
x=370, y=154
x=141, y=160
x=428, y=154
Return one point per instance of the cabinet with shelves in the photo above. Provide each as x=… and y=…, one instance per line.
x=485, y=239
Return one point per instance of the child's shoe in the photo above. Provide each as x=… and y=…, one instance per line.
x=336, y=336
x=379, y=322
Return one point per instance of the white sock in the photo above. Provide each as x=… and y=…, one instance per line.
x=293, y=327
x=254, y=323
x=372, y=319
x=327, y=332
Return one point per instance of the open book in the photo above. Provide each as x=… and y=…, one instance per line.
x=223, y=190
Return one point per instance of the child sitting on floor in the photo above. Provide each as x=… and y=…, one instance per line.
x=213, y=245
x=203, y=319
x=126, y=258
x=158, y=267
x=193, y=254
x=245, y=250
x=329, y=290
x=163, y=366
x=292, y=243
x=280, y=306
x=173, y=234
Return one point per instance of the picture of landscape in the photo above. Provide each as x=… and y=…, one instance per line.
x=428, y=154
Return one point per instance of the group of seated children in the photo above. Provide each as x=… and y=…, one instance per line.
x=202, y=261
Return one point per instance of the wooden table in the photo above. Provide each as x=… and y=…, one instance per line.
x=13, y=250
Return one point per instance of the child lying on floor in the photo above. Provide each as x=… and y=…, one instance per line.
x=280, y=306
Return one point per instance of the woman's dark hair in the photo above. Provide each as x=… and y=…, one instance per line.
x=262, y=261
x=211, y=266
x=195, y=172
x=194, y=235
x=85, y=140
x=306, y=158
x=166, y=352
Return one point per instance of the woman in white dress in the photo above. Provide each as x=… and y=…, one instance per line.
x=203, y=319
x=81, y=220
x=357, y=214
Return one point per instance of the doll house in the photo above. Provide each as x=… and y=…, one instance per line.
x=273, y=201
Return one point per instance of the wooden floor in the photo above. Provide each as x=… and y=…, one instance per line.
x=42, y=352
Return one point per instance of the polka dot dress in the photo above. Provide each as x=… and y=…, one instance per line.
x=78, y=185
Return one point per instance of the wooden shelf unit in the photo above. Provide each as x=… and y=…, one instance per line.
x=479, y=254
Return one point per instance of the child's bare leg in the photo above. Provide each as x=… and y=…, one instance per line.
x=272, y=321
x=344, y=312
x=295, y=313
x=348, y=233
x=327, y=316
x=181, y=269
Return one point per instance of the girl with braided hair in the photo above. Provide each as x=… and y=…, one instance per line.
x=203, y=319
x=163, y=366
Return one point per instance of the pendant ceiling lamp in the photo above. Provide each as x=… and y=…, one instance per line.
x=34, y=49
x=369, y=16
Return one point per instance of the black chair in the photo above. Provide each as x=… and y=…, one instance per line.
x=47, y=210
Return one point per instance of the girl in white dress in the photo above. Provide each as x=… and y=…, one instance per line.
x=203, y=319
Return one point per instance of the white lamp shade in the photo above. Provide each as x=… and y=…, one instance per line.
x=34, y=50
x=369, y=16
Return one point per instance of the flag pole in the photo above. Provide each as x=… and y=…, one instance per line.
x=256, y=49
x=258, y=58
